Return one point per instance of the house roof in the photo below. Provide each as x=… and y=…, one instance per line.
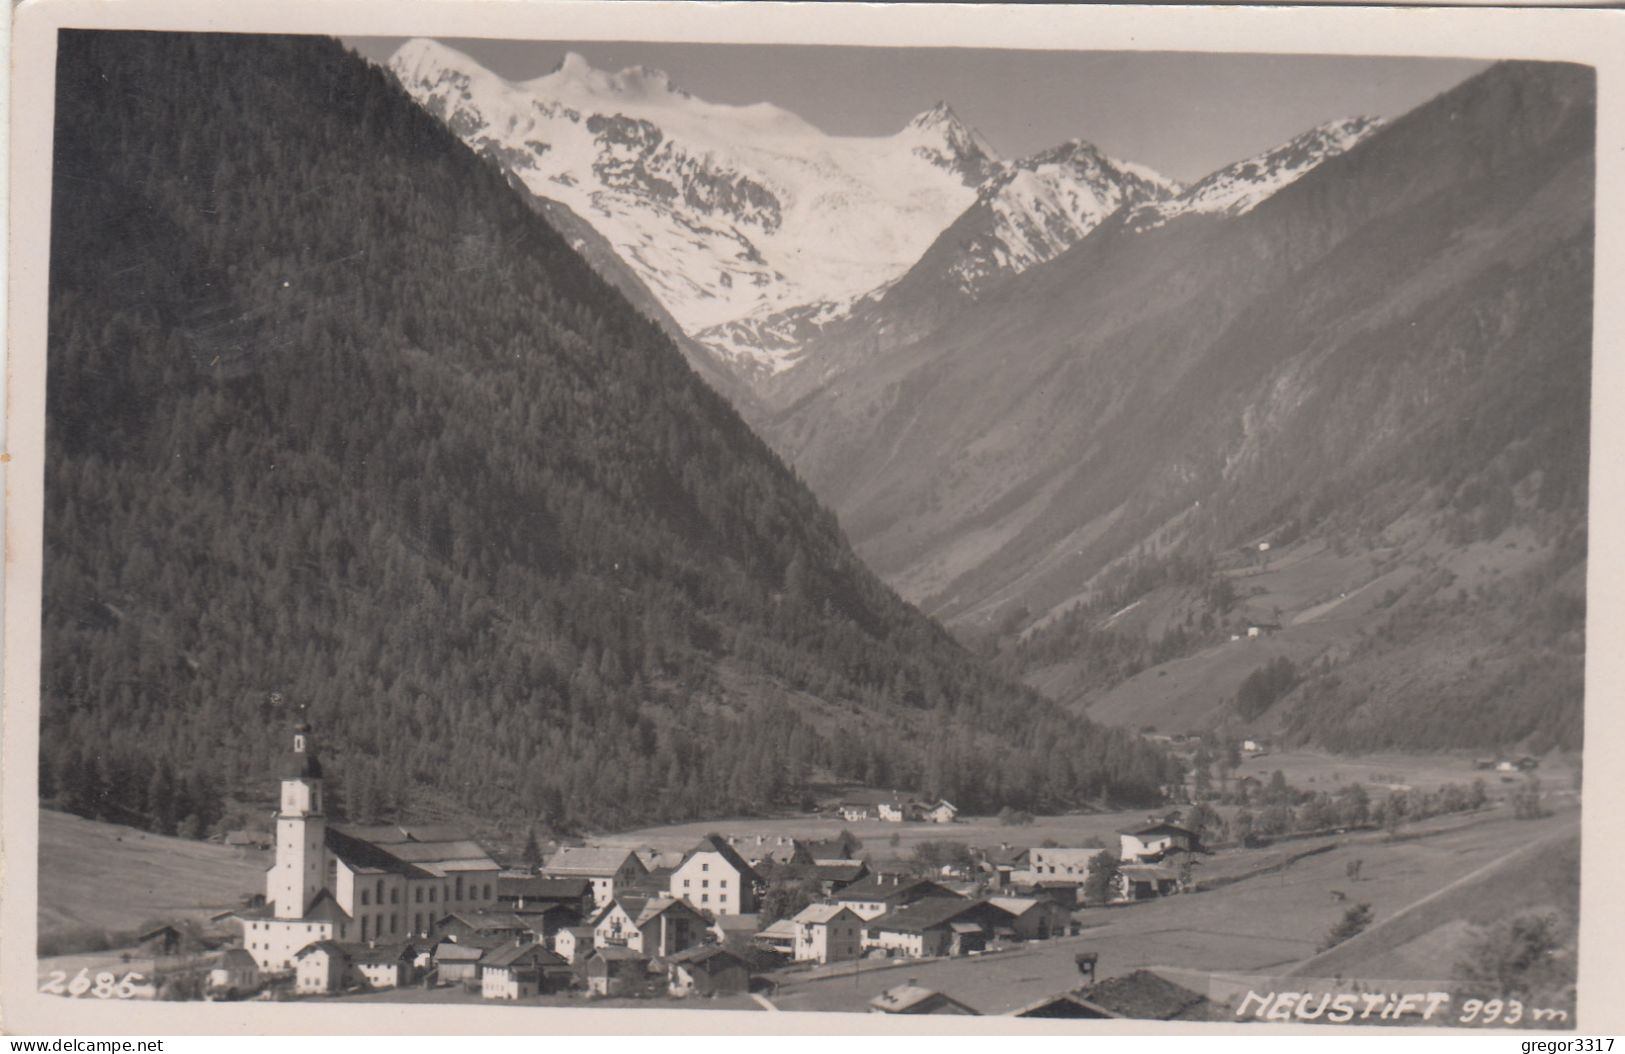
x=832, y=849
x=1147, y=871
x=618, y=952
x=325, y=907
x=590, y=861
x=932, y=913
x=654, y=907
x=819, y=914
x=487, y=921
x=521, y=954
x=454, y=951
x=237, y=959
x=1148, y=996
x=578, y=932
x=535, y=887
x=715, y=843
x=366, y=954
x=705, y=954
x=889, y=888
x=912, y=998
x=1156, y=827
x=1010, y=855
x=782, y=930
x=1018, y=906
x=743, y=925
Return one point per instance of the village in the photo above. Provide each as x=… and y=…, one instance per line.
x=759, y=919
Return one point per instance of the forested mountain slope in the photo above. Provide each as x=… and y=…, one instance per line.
x=335, y=419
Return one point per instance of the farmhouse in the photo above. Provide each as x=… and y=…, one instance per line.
x=1003, y=862
x=518, y=971
x=457, y=961
x=1149, y=842
x=827, y=933
x=361, y=884
x=1143, y=881
x=535, y=893
x=776, y=849
x=236, y=972
x=1055, y=865
x=1035, y=918
x=654, y=927
x=829, y=877
x=936, y=926
x=779, y=937
x=608, y=869
x=617, y=971
x=708, y=969
x=573, y=943
x=888, y=806
x=325, y=966
x=715, y=878
x=943, y=811
x=876, y=895
x=910, y=998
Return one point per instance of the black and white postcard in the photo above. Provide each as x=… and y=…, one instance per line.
x=812, y=518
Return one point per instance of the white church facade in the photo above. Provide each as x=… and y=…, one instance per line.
x=371, y=884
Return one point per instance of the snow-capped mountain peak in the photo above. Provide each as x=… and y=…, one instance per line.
x=1034, y=209
x=724, y=212
x=1240, y=187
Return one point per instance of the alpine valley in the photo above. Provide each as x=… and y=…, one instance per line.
x=1299, y=449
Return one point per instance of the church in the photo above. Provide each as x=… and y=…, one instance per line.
x=353, y=883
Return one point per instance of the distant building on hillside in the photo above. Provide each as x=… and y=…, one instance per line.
x=1055, y=864
x=1150, y=842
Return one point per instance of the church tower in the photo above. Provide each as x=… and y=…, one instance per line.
x=301, y=831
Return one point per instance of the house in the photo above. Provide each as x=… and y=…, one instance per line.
x=1151, y=841
x=1055, y=864
x=1143, y=881
x=707, y=969
x=536, y=893
x=887, y=806
x=780, y=937
x=382, y=965
x=727, y=928
x=236, y=972
x=876, y=895
x=608, y=869
x=910, y=998
x=831, y=851
x=654, y=927
x=827, y=933
x=1263, y=629
x=246, y=840
x=776, y=849
x=1063, y=893
x=1065, y=1005
x=830, y=877
x=494, y=927
x=1146, y=996
x=361, y=884
x=936, y=926
x=519, y=971
x=573, y=943
x=457, y=962
x=943, y=811
x=165, y=940
x=1035, y=918
x=320, y=968
x=713, y=877
x=617, y=970
x=1002, y=862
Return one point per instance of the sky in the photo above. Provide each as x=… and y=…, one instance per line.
x=1184, y=114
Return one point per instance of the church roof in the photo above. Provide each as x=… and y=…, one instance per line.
x=399, y=850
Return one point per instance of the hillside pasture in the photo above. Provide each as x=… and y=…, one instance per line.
x=101, y=876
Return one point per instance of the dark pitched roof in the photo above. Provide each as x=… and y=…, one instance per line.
x=1147, y=996
x=520, y=954
x=715, y=843
x=1156, y=827
x=238, y=959
x=888, y=889
x=705, y=953
x=535, y=887
x=933, y=912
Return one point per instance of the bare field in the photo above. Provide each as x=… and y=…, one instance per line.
x=103, y=876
